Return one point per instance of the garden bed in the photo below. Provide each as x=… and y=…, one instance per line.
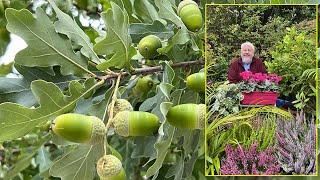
x=261, y=141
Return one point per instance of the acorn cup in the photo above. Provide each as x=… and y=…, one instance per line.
x=187, y=116
x=109, y=167
x=79, y=128
x=122, y=105
x=190, y=15
x=197, y=82
x=135, y=123
x=148, y=46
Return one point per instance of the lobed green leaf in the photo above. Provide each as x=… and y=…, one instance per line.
x=78, y=163
x=17, y=120
x=117, y=42
x=146, y=11
x=167, y=12
x=69, y=27
x=45, y=46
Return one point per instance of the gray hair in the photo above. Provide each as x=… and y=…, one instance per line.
x=247, y=44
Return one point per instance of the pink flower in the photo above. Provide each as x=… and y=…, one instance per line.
x=259, y=81
x=259, y=77
x=262, y=77
x=274, y=78
x=250, y=160
x=278, y=79
x=245, y=75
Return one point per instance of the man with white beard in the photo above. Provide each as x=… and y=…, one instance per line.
x=247, y=62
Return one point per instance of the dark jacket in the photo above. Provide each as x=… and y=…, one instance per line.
x=236, y=67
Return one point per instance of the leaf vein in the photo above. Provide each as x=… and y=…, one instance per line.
x=85, y=157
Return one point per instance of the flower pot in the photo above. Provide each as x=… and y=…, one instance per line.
x=259, y=98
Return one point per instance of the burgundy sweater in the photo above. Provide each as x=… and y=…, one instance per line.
x=236, y=67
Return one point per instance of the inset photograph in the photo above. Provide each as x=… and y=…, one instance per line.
x=261, y=89
x=263, y=1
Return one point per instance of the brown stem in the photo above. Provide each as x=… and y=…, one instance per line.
x=92, y=63
x=137, y=168
x=149, y=70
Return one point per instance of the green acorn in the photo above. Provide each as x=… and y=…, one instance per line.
x=109, y=167
x=190, y=15
x=197, y=82
x=148, y=46
x=6, y=3
x=171, y=158
x=82, y=4
x=143, y=85
x=46, y=126
x=188, y=116
x=1, y=8
x=79, y=128
x=135, y=123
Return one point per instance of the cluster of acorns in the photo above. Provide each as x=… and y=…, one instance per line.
x=91, y=130
x=190, y=15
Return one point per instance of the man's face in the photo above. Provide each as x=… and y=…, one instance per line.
x=247, y=54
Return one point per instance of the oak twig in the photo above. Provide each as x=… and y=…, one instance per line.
x=149, y=70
